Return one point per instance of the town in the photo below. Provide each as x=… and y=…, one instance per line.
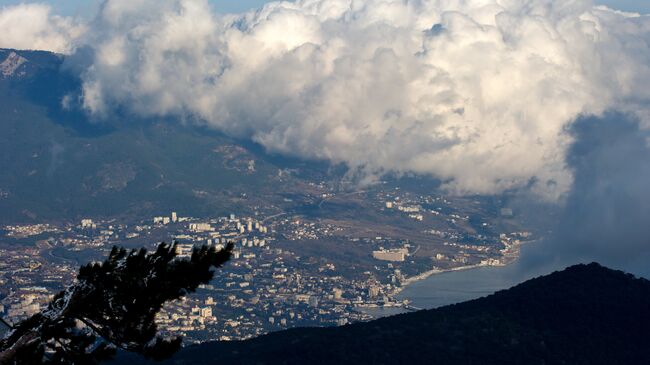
x=287, y=270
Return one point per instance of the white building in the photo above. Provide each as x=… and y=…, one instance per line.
x=200, y=227
x=397, y=255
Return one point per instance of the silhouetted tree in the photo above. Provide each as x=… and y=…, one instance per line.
x=112, y=305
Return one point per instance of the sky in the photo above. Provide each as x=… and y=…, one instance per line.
x=87, y=7
x=641, y=6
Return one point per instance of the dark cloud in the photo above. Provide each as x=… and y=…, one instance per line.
x=606, y=216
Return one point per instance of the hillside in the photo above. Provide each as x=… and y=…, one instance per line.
x=58, y=163
x=586, y=314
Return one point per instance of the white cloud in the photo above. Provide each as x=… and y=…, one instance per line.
x=478, y=93
x=32, y=26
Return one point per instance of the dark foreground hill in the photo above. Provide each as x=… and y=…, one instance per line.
x=586, y=314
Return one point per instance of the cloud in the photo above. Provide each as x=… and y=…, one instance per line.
x=606, y=216
x=32, y=26
x=477, y=93
x=606, y=212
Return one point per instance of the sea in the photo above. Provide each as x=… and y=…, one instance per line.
x=459, y=286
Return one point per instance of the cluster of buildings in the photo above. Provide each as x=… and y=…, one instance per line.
x=413, y=211
x=266, y=286
x=173, y=218
x=300, y=230
x=29, y=230
x=24, y=303
x=462, y=242
x=28, y=282
x=186, y=316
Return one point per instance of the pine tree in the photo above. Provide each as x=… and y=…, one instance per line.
x=112, y=305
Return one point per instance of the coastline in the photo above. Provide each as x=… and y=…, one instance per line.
x=436, y=271
x=425, y=275
x=398, y=305
x=403, y=306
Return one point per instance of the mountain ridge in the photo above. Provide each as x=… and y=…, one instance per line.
x=585, y=314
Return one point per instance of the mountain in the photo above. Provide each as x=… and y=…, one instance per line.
x=586, y=314
x=60, y=163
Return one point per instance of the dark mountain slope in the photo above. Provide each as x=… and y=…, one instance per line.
x=56, y=163
x=586, y=314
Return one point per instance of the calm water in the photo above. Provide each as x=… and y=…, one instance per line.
x=459, y=286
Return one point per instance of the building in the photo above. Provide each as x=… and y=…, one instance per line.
x=174, y=217
x=206, y=312
x=313, y=301
x=88, y=223
x=200, y=227
x=184, y=250
x=410, y=209
x=398, y=255
x=373, y=291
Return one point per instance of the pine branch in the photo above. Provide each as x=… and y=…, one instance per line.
x=117, y=301
x=6, y=323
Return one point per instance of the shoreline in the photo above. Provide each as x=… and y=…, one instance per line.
x=406, y=306
x=425, y=275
